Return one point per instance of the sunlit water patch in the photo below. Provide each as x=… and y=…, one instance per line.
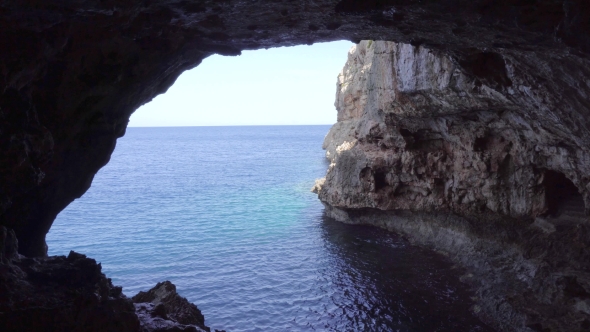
x=226, y=214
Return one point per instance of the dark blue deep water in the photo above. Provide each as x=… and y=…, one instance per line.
x=227, y=215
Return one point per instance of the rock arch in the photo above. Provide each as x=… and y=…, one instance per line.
x=72, y=73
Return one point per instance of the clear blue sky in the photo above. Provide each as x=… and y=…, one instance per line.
x=279, y=86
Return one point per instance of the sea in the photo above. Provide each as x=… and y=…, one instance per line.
x=227, y=215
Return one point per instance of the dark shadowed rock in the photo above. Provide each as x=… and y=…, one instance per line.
x=8, y=245
x=162, y=309
x=61, y=294
x=71, y=293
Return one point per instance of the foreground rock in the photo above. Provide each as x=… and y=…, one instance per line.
x=162, y=309
x=492, y=169
x=62, y=294
x=71, y=293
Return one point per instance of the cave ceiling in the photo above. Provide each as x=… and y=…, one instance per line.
x=72, y=72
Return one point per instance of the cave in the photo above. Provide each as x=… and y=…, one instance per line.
x=409, y=137
x=561, y=194
x=70, y=84
x=71, y=74
x=380, y=180
x=489, y=67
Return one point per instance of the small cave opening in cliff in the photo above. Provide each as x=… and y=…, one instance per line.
x=421, y=140
x=408, y=137
x=488, y=67
x=366, y=179
x=380, y=180
x=480, y=144
x=561, y=195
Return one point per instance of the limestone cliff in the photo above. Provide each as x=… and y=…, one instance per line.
x=421, y=134
x=475, y=157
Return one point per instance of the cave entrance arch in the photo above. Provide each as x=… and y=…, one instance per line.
x=191, y=96
x=84, y=70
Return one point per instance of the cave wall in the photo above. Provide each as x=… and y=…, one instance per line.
x=71, y=73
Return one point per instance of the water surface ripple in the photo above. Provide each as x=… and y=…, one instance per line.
x=226, y=214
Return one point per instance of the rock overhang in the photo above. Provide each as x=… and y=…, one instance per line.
x=71, y=73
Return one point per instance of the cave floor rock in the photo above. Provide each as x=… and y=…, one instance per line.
x=161, y=308
x=60, y=293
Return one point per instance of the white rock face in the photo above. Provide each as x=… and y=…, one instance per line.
x=429, y=133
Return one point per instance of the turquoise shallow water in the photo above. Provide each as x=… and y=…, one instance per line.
x=227, y=215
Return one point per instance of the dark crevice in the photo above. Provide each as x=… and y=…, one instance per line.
x=408, y=137
x=488, y=67
x=422, y=140
x=380, y=180
x=559, y=190
x=480, y=144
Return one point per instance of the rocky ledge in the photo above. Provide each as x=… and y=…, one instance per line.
x=71, y=293
x=477, y=159
x=162, y=309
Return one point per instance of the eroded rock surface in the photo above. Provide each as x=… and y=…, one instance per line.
x=493, y=169
x=162, y=309
x=414, y=127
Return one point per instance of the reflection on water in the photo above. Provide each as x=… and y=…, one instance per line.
x=386, y=284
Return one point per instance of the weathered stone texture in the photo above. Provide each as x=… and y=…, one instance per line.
x=71, y=293
x=162, y=309
x=61, y=294
x=417, y=132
